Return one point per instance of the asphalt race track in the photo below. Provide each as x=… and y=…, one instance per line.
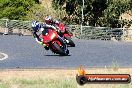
x=24, y=52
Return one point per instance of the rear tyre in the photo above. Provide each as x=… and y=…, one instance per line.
x=59, y=50
x=71, y=43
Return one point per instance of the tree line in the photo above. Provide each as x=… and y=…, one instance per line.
x=96, y=12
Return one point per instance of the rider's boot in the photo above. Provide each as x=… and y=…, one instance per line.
x=46, y=47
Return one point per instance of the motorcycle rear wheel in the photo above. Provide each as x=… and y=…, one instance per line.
x=71, y=43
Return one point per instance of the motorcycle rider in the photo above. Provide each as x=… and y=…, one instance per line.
x=49, y=20
x=36, y=26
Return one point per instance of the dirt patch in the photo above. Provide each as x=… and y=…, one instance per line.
x=126, y=16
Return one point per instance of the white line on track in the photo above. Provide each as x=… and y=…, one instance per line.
x=5, y=56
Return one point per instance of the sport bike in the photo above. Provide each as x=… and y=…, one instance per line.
x=66, y=34
x=55, y=43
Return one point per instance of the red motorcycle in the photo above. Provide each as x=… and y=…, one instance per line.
x=55, y=43
x=66, y=34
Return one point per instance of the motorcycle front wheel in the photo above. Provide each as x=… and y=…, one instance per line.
x=59, y=50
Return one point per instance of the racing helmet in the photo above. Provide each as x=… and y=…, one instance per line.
x=48, y=20
x=35, y=26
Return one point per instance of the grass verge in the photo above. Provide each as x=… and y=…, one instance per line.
x=55, y=78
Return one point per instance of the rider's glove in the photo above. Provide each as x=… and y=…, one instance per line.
x=39, y=42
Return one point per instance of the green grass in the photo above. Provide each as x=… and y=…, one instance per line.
x=4, y=85
x=55, y=83
x=60, y=78
x=40, y=83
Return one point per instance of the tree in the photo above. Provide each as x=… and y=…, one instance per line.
x=92, y=11
x=96, y=12
x=17, y=9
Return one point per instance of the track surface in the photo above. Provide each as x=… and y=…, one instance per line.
x=24, y=52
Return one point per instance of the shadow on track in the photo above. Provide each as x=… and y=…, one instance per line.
x=57, y=55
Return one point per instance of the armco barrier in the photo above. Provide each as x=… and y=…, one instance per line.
x=88, y=32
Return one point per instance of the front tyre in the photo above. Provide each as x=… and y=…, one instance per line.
x=59, y=50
